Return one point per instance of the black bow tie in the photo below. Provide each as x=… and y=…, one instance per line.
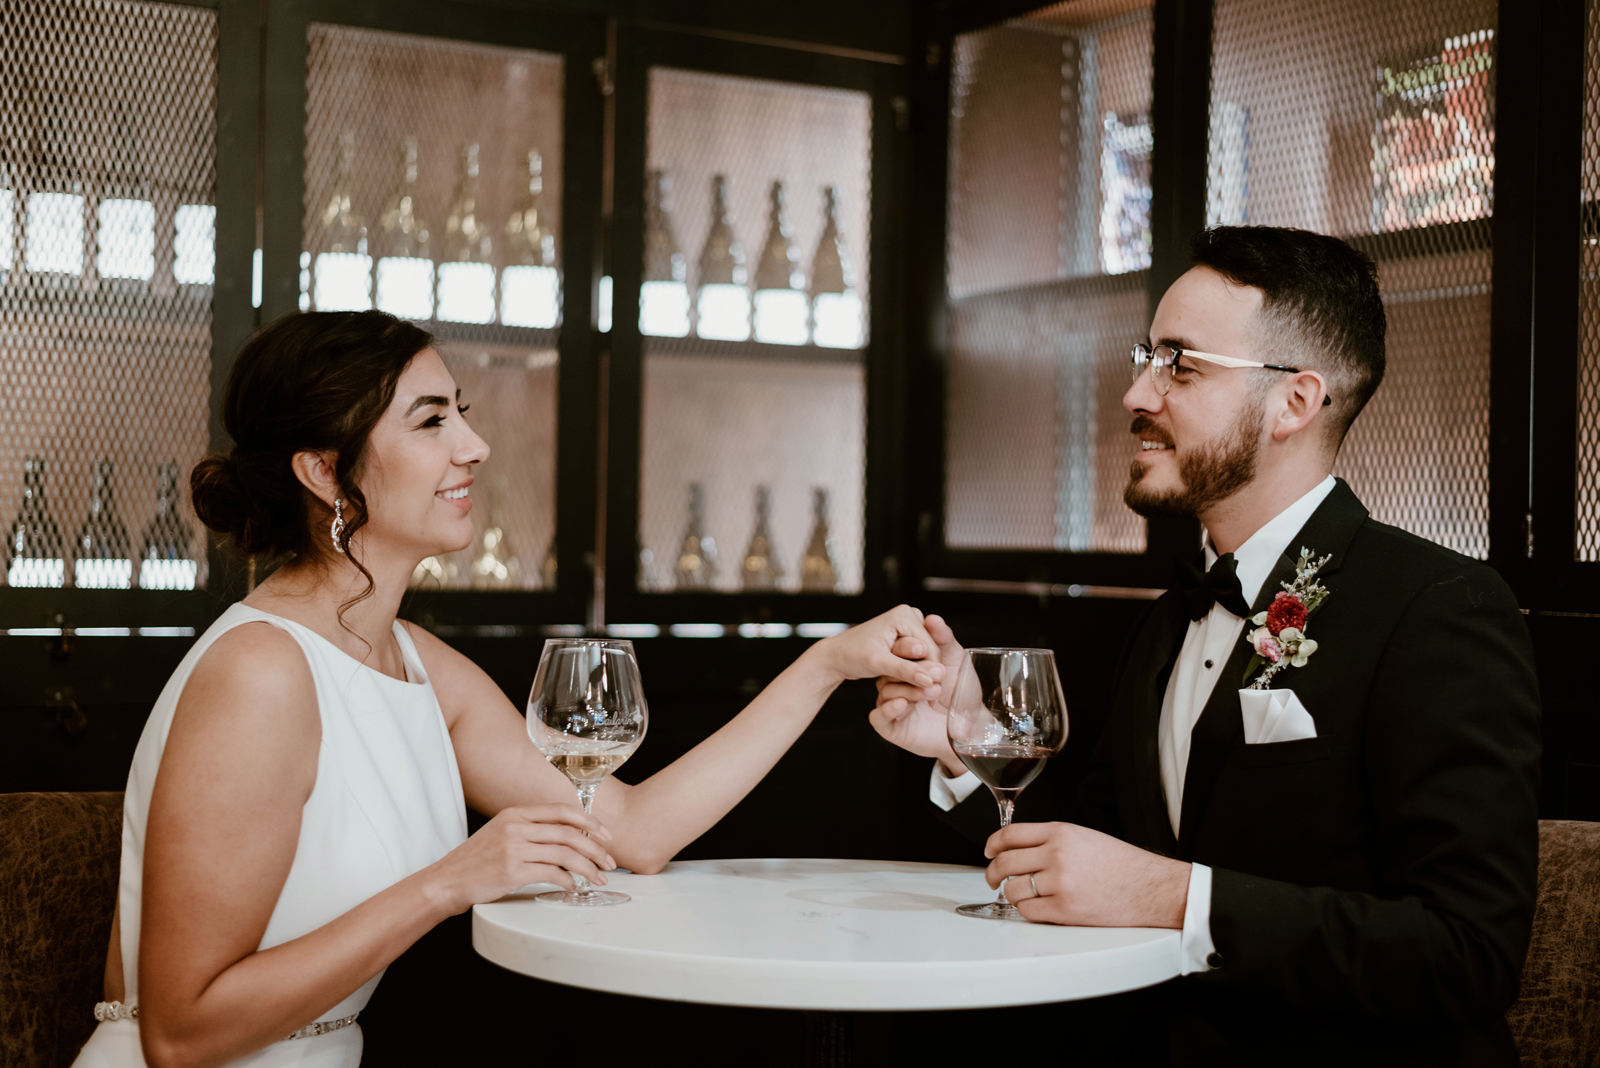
x=1220, y=585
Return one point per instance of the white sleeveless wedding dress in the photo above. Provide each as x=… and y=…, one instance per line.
x=387, y=803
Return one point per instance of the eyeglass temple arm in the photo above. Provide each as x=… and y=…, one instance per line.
x=1233, y=361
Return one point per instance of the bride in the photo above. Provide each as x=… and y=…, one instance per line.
x=295, y=813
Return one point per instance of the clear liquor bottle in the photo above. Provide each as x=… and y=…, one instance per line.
x=530, y=285
x=466, y=269
x=8, y=224
x=761, y=568
x=836, y=311
x=548, y=567
x=35, y=551
x=102, y=557
x=781, y=308
x=697, y=557
x=817, y=571
x=404, y=246
x=722, y=303
x=664, y=295
x=166, y=550
x=341, y=274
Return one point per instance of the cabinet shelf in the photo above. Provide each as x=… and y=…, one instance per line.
x=749, y=350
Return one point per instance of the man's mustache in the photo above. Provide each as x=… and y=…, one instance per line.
x=1143, y=424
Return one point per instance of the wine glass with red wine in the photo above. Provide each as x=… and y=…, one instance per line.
x=1007, y=717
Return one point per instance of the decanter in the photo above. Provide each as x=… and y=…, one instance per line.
x=35, y=551
x=664, y=294
x=530, y=285
x=761, y=568
x=697, y=558
x=817, y=572
x=404, y=246
x=835, y=304
x=342, y=271
x=466, y=273
x=781, y=308
x=166, y=549
x=102, y=559
x=722, y=306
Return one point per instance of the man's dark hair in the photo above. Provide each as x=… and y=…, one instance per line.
x=1320, y=306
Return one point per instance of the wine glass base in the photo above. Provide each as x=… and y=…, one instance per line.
x=990, y=910
x=582, y=897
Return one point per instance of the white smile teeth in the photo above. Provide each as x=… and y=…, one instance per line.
x=455, y=494
x=1147, y=446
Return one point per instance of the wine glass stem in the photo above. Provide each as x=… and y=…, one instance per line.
x=586, y=799
x=1007, y=806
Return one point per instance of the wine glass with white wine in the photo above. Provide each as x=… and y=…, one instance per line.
x=1007, y=717
x=587, y=715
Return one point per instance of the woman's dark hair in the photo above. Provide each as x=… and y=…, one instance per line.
x=312, y=381
x=1318, y=294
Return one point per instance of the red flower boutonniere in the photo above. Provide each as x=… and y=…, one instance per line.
x=1279, y=637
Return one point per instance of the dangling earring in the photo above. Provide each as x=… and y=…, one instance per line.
x=338, y=524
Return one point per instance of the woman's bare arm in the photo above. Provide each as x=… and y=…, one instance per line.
x=239, y=763
x=654, y=819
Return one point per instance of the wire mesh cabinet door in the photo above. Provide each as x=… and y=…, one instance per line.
x=439, y=163
x=110, y=283
x=745, y=333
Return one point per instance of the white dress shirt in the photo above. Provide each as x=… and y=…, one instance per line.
x=1209, y=642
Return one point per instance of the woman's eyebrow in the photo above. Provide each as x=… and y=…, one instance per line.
x=434, y=401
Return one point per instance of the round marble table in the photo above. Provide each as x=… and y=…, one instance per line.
x=820, y=935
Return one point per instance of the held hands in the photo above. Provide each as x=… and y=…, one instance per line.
x=522, y=845
x=916, y=719
x=895, y=645
x=1085, y=878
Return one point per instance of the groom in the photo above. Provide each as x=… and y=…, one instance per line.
x=1349, y=850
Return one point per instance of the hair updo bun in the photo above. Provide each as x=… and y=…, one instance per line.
x=312, y=381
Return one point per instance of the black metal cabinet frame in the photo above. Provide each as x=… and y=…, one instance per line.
x=581, y=40
x=640, y=47
x=1535, y=311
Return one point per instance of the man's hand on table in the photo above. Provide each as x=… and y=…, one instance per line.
x=1085, y=878
x=915, y=719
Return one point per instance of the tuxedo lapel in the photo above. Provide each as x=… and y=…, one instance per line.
x=1221, y=725
x=1163, y=634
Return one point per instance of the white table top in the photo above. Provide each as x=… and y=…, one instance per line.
x=815, y=934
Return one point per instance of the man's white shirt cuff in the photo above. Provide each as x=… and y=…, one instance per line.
x=947, y=793
x=1197, y=944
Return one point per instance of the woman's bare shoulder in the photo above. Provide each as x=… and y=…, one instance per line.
x=253, y=681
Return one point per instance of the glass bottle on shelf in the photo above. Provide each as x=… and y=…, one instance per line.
x=817, y=572
x=837, y=322
x=697, y=558
x=664, y=296
x=466, y=270
x=781, y=307
x=166, y=549
x=404, y=246
x=761, y=568
x=530, y=285
x=35, y=551
x=438, y=572
x=102, y=558
x=341, y=274
x=722, y=305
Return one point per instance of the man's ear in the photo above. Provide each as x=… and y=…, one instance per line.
x=1304, y=396
x=315, y=470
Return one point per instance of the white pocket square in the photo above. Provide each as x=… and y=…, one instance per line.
x=1274, y=716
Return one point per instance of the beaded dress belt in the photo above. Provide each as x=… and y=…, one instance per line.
x=116, y=1010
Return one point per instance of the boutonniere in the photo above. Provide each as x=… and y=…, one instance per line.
x=1279, y=637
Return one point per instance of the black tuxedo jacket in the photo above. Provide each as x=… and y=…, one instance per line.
x=1373, y=887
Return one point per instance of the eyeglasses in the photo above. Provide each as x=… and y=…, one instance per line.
x=1163, y=358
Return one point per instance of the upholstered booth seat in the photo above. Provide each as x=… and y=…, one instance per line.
x=1557, y=1019
x=59, y=855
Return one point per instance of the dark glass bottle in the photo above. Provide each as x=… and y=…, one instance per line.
x=102, y=558
x=35, y=551
x=166, y=550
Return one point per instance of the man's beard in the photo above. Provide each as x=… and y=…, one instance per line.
x=1207, y=474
